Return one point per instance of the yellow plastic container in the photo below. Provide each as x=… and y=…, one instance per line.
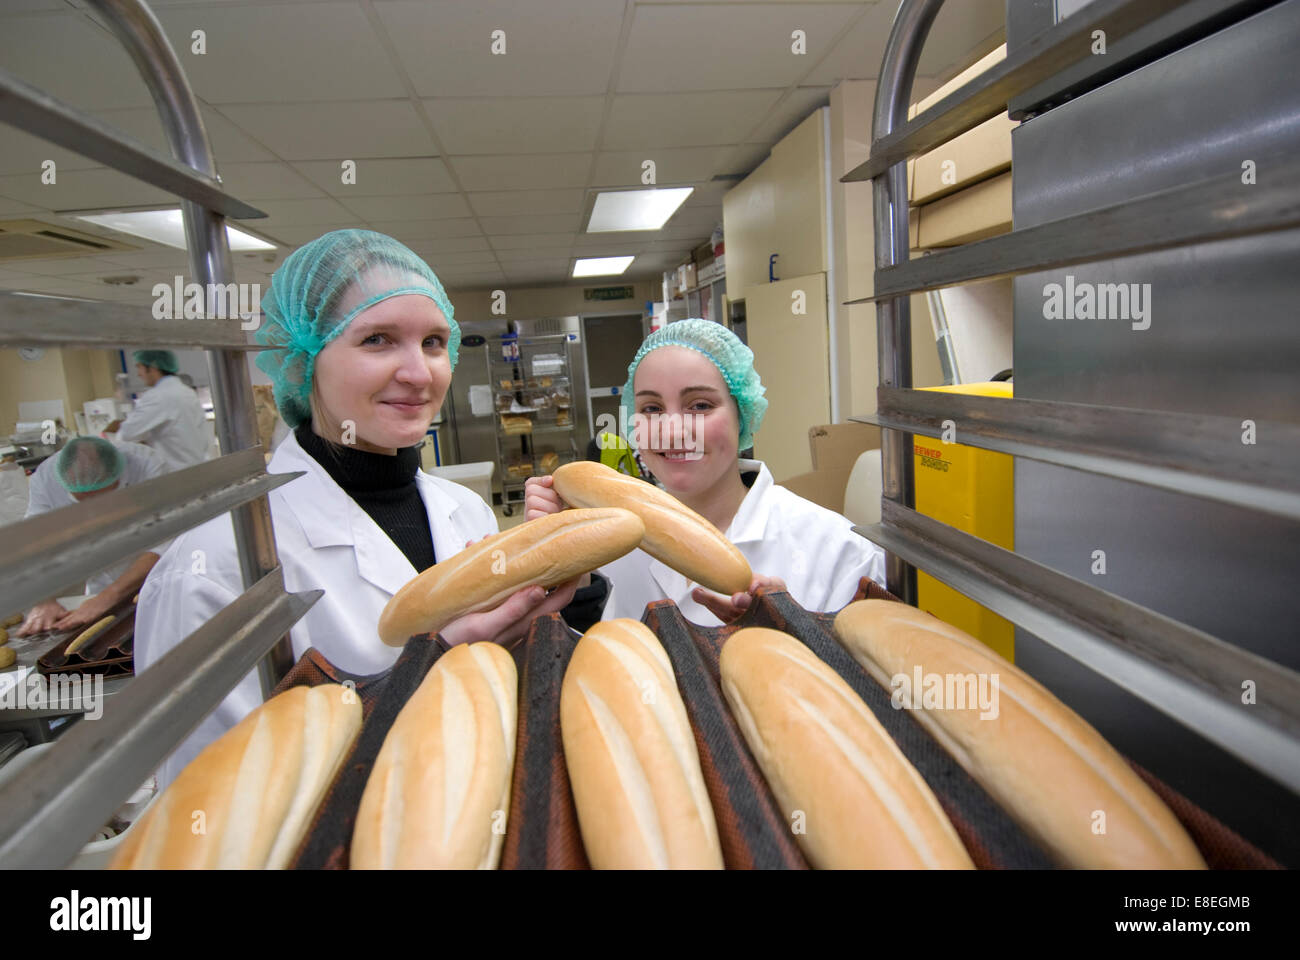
x=973, y=490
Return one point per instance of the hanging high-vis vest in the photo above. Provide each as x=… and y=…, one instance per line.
x=617, y=453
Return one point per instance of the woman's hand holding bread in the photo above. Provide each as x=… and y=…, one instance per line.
x=540, y=498
x=730, y=608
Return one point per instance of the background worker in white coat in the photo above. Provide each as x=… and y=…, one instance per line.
x=369, y=342
x=85, y=468
x=694, y=402
x=168, y=416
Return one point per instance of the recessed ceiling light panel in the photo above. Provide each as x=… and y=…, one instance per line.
x=601, y=266
x=635, y=209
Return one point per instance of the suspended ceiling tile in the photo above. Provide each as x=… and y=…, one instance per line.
x=641, y=121
x=672, y=166
x=541, y=223
x=430, y=206
x=406, y=230
x=91, y=69
x=254, y=182
x=727, y=47
x=521, y=124
x=503, y=203
x=320, y=210
x=527, y=241
x=522, y=172
x=376, y=177
x=859, y=51
x=269, y=53
x=95, y=189
x=338, y=130
x=556, y=47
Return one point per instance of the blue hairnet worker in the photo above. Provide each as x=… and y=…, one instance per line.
x=85, y=468
x=692, y=402
x=168, y=416
x=369, y=343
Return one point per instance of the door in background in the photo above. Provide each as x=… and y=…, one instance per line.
x=612, y=341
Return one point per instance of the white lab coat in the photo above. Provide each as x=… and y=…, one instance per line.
x=814, y=550
x=169, y=417
x=325, y=540
x=47, y=493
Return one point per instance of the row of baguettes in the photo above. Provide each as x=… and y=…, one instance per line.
x=438, y=795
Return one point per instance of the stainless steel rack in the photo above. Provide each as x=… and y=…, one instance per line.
x=64, y=797
x=1184, y=673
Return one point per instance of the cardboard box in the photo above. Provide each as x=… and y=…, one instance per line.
x=686, y=277
x=971, y=157
x=980, y=211
x=835, y=449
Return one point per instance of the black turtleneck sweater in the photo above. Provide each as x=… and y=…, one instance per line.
x=384, y=487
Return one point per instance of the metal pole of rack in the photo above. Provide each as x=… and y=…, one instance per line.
x=205, y=232
x=893, y=317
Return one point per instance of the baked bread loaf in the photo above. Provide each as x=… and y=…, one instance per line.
x=438, y=796
x=247, y=800
x=853, y=799
x=674, y=533
x=631, y=755
x=1035, y=756
x=548, y=551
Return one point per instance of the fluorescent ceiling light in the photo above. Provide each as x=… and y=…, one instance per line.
x=635, y=209
x=167, y=227
x=601, y=266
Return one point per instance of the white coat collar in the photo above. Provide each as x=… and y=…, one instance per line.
x=748, y=526
x=330, y=518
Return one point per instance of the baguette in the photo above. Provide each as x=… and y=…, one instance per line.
x=548, y=551
x=1034, y=755
x=631, y=755
x=90, y=633
x=438, y=796
x=854, y=800
x=674, y=533
x=247, y=800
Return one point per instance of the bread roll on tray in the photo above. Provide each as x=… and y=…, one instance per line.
x=247, y=800
x=853, y=799
x=631, y=755
x=674, y=533
x=438, y=796
x=1035, y=756
x=548, y=551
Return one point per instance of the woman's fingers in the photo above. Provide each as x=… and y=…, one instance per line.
x=724, y=608
x=540, y=498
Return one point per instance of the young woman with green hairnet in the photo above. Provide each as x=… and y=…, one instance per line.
x=368, y=342
x=692, y=402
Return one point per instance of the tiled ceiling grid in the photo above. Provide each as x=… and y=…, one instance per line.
x=482, y=163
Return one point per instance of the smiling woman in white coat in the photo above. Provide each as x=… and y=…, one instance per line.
x=692, y=402
x=368, y=342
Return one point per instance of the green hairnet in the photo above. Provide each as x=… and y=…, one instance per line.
x=319, y=289
x=87, y=464
x=163, y=360
x=734, y=361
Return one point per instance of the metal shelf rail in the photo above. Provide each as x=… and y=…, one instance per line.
x=72, y=790
x=1186, y=674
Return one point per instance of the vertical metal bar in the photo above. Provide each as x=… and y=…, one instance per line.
x=205, y=232
x=893, y=317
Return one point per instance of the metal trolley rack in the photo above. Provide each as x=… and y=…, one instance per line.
x=68, y=793
x=1183, y=672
